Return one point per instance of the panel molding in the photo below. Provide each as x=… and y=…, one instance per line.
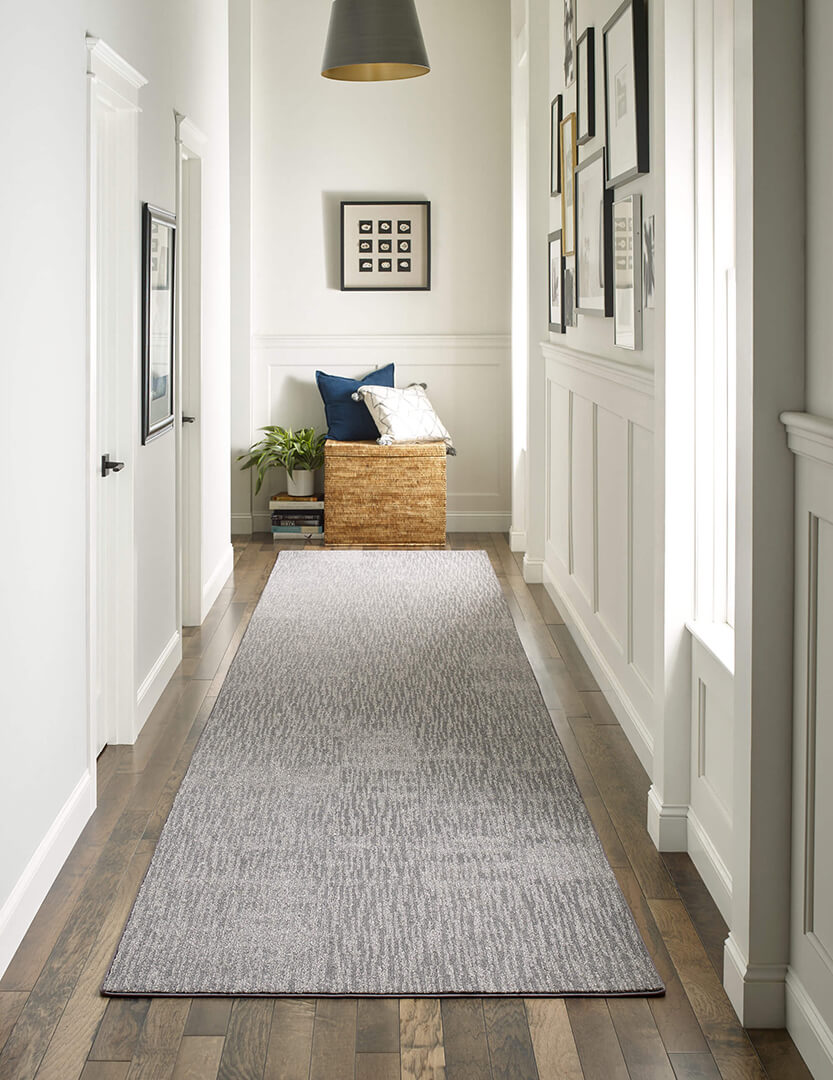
x=809, y=436
x=806, y=1025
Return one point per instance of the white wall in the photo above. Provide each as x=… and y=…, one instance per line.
x=599, y=542
x=43, y=706
x=810, y=976
x=443, y=137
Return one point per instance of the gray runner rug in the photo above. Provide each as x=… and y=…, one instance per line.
x=379, y=805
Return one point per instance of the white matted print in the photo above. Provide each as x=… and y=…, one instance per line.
x=556, y=284
x=627, y=272
x=385, y=246
x=568, y=171
x=594, y=247
x=570, y=309
x=625, y=46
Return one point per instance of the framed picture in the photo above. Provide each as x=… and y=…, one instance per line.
x=556, y=283
x=568, y=170
x=649, y=280
x=570, y=310
x=586, y=86
x=569, y=42
x=385, y=246
x=625, y=46
x=627, y=272
x=158, y=321
x=555, y=145
x=594, y=245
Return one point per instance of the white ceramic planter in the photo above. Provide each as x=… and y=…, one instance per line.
x=302, y=482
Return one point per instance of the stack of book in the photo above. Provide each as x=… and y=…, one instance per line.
x=297, y=515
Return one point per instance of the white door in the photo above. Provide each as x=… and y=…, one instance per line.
x=190, y=145
x=113, y=331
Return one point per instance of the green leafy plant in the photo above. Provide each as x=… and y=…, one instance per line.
x=301, y=449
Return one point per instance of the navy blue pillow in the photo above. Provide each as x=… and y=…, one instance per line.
x=348, y=420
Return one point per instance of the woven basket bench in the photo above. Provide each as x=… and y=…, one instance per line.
x=390, y=496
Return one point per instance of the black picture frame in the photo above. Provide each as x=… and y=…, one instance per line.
x=158, y=321
x=556, y=116
x=585, y=245
x=389, y=218
x=556, y=300
x=627, y=106
x=586, y=86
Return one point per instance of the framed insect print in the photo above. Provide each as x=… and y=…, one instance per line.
x=385, y=246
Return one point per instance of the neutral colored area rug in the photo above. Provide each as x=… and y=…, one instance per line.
x=379, y=805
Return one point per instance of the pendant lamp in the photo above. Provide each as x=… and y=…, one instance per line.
x=374, y=40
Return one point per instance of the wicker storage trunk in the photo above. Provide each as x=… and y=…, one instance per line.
x=392, y=496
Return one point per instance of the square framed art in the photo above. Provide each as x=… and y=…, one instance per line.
x=594, y=242
x=627, y=272
x=385, y=246
x=556, y=284
x=625, y=47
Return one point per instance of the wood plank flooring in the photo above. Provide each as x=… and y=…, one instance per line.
x=55, y=1026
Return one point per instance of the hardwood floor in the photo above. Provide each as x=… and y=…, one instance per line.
x=54, y=1024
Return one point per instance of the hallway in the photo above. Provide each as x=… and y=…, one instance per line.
x=53, y=1023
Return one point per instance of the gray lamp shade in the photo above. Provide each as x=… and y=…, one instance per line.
x=374, y=40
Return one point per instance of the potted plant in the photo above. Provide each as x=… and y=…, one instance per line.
x=299, y=452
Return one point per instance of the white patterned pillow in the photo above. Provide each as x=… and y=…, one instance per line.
x=404, y=415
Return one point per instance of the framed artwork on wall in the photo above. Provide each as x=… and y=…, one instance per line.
x=556, y=283
x=625, y=48
x=594, y=244
x=586, y=86
x=556, y=109
x=385, y=246
x=569, y=42
x=568, y=170
x=158, y=321
x=570, y=312
x=627, y=272
x=648, y=270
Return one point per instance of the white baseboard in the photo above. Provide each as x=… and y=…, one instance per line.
x=808, y=1028
x=667, y=823
x=624, y=710
x=36, y=880
x=241, y=525
x=533, y=570
x=517, y=540
x=156, y=680
x=757, y=991
x=710, y=866
x=476, y=521
x=212, y=587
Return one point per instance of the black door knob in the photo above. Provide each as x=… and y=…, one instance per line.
x=188, y=419
x=108, y=466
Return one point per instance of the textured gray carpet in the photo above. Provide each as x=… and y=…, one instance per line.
x=379, y=806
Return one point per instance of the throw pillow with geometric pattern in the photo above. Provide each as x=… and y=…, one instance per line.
x=404, y=416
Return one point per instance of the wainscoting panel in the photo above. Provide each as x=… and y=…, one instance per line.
x=810, y=978
x=600, y=465
x=468, y=383
x=712, y=741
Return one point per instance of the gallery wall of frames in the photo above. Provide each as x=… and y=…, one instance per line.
x=602, y=258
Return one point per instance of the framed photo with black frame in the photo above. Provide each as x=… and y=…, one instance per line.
x=556, y=284
x=569, y=42
x=627, y=272
x=556, y=111
x=385, y=246
x=594, y=238
x=586, y=86
x=568, y=173
x=158, y=321
x=625, y=48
